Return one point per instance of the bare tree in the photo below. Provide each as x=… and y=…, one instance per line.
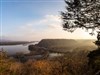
x=83, y=14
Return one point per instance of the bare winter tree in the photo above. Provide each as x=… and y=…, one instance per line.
x=81, y=14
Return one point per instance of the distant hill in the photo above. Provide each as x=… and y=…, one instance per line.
x=63, y=45
x=9, y=42
x=4, y=40
x=56, y=42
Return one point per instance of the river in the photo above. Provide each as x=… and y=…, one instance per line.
x=13, y=49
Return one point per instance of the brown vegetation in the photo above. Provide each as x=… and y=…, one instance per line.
x=72, y=63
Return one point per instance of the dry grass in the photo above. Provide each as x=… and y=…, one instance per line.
x=70, y=64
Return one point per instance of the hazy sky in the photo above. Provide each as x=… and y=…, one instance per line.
x=35, y=20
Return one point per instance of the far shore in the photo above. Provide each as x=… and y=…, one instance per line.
x=16, y=43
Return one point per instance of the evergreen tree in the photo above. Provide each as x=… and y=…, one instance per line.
x=81, y=14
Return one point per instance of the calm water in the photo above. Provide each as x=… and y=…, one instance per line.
x=12, y=49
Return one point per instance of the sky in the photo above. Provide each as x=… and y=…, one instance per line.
x=35, y=20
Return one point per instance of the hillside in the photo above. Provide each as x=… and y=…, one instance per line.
x=64, y=45
x=56, y=42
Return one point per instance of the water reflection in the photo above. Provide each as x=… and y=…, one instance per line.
x=12, y=49
x=55, y=54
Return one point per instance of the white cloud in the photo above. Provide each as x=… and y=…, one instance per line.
x=50, y=21
x=48, y=27
x=38, y=29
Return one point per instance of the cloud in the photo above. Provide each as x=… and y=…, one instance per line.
x=38, y=29
x=48, y=21
x=50, y=26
